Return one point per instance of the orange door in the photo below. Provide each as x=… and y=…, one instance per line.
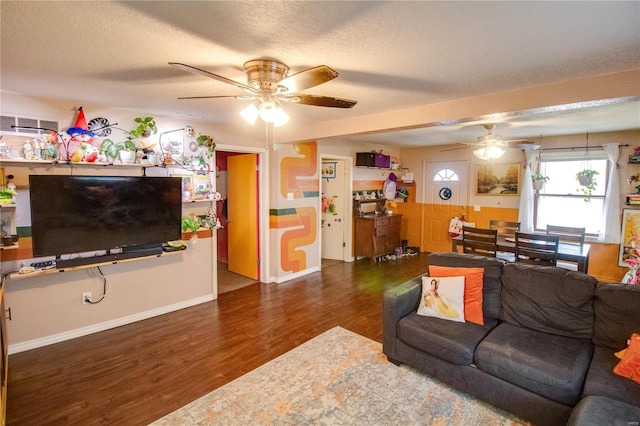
x=242, y=213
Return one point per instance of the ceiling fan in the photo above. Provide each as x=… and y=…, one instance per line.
x=492, y=146
x=269, y=83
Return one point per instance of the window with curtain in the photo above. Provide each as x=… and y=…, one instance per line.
x=561, y=200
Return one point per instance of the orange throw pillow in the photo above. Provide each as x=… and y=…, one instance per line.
x=472, y=289
x=629, y=365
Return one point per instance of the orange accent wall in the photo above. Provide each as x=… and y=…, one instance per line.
x=411, y=220
x=603, y=258
x=367, y=185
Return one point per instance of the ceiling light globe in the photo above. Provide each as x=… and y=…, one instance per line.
x=490, y=152
x=250, y=114
x=269, y=111
x=281, y=119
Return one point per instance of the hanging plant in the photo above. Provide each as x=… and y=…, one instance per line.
x=146, y=126
x=539, y=180
x=587, y=182
x=206, y=141
x=585, y=177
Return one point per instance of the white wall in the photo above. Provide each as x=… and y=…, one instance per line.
x=46, y=309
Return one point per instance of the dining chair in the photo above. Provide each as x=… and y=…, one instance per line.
x=505, y=229
x=537, y=249
x=480, y=241
x=568, y=235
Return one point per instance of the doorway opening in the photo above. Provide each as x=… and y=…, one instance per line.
x=336, y=210
x=238, y=241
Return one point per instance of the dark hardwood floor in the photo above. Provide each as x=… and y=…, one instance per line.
x=135, y=374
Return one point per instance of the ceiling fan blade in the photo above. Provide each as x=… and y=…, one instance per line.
x=308, y=78
x=324, y=101
x=203, y=73
x=522, y=144
x=242, y=97
x=455, y=149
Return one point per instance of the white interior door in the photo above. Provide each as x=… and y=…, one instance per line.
x=446, y=195
x=334, y=210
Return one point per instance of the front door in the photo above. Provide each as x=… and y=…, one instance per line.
x=446, y=186
x=242, y=214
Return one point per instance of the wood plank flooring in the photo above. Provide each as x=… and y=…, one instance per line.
x=135, y=374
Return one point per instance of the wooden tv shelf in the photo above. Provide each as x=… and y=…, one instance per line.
x=18, y=275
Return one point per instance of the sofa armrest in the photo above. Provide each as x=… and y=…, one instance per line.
x=398, y=302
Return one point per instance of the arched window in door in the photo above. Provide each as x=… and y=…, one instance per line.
x=445, y=175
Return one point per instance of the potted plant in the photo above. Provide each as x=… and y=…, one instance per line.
x=206, y=141
x=190, y=226
x=125, y=149
x=587, y=182
x=539, y=180
x=145, y=127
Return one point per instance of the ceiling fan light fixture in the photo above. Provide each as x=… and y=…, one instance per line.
x=490, y=152
x=271, y=112
x=281, y=119
x=250, y=114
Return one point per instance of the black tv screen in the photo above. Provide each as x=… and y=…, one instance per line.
x=74, y=214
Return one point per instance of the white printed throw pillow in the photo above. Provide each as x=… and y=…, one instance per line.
x=442, y=297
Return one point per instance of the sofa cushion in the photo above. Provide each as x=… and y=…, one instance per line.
x=629, y=365
x=602, y=381
x=617, y=314
x=442, y=297
x=490, y=283
x=548, y=299
x=472, y=289
x=549, y=365
x=598, y=411
x=451, y=341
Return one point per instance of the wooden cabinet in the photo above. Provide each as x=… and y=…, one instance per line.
x=376, y=235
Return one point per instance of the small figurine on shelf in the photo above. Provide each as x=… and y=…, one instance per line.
x=10, y=184
x=28, y=152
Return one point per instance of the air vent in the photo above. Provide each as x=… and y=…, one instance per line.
x=7, y=121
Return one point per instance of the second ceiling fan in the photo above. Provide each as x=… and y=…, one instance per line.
x=490, y=146
x=269, y=83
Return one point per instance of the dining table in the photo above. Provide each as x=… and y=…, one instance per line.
x=568, y=252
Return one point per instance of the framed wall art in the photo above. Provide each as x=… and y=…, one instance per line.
x=498, y=179
x=187, y=188
x=630, y=237
x=329, y=170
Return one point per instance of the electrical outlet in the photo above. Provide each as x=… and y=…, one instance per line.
x=86, y=295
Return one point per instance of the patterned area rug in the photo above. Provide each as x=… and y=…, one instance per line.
x=337, y=378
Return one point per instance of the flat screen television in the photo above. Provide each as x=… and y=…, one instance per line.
x=75, y=214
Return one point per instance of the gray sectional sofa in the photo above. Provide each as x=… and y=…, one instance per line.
x=545, y=351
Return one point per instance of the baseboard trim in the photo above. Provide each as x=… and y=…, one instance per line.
x=285, y=278
x=84, y=331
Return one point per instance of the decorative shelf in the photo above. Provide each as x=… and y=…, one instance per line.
x=81, y=163
x=18, y=275
x=202, y=200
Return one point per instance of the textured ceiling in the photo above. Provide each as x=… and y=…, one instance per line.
x=390, y=56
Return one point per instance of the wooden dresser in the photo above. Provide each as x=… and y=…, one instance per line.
x=376, y=234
